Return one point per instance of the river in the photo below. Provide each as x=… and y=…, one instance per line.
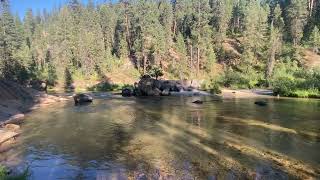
x=172, y=138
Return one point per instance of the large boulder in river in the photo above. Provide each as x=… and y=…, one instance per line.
x=148, y=86
x=82, y=98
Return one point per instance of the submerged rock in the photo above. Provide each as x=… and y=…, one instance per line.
x=197, y=102
x=82, y=98
x=261, y=103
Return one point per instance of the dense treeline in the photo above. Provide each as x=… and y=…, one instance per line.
x=186, y=38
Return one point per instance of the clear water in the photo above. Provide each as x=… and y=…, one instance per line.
x=170, y=138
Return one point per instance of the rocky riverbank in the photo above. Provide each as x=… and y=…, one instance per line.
x=15, y=102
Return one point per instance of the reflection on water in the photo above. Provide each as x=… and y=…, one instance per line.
x=171, y=138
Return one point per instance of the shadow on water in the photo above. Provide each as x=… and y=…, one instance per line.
x=169, y=138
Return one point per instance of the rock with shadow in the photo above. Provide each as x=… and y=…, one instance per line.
x=261, y=103
x=82, y=98
x=127, y=92
x=197, y=102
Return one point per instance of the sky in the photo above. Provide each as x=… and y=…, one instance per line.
x=21, y=6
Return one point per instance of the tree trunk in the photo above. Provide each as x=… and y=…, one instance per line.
x=198, y=47
x=174, y=28
x=128, y=32
x=271, y=63
x=144, y=64
x=191, y=57
x=311, y=6
x=198, y=60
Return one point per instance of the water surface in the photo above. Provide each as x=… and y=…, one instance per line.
x=171, y=138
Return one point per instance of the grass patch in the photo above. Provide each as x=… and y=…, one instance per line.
x=107, y=87
x=4, y=175
x=309, y=93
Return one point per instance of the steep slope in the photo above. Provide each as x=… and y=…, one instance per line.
x=311, y=59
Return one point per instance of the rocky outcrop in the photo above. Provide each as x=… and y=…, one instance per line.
x=148, y=86
x=82, y=98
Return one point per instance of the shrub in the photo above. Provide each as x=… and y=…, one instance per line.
x=294, y=81
x=155, y=72
x=213, y=86
x=4, y=174
x=106, y=86
x=236, y=79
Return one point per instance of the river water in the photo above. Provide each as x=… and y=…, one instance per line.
x=172, y=138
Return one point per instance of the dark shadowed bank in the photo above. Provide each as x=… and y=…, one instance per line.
x=15, y=102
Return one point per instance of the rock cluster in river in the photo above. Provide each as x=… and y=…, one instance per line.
x=148, y=86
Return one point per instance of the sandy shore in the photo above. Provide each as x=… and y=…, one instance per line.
x=246, y=93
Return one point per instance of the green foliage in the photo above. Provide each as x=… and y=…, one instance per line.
x=212, y=85
x=239, y=80
x=315, y=39
x=155, y=72
x=291, y=80
x=297, y=15
x=4, y=174
x=106, y=86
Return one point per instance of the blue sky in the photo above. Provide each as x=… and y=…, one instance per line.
x=20, y=6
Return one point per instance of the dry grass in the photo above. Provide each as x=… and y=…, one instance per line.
x=311, y=59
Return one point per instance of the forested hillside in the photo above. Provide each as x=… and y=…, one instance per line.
x=232, y=43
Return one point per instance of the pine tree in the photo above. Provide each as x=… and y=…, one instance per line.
x=29, y=27
x=108, y=21
x=315, y=39
x=201, y=32
x=297, y=14
x=9, y=42
x=255, y=24
x=222, y=12
x=275, y=40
